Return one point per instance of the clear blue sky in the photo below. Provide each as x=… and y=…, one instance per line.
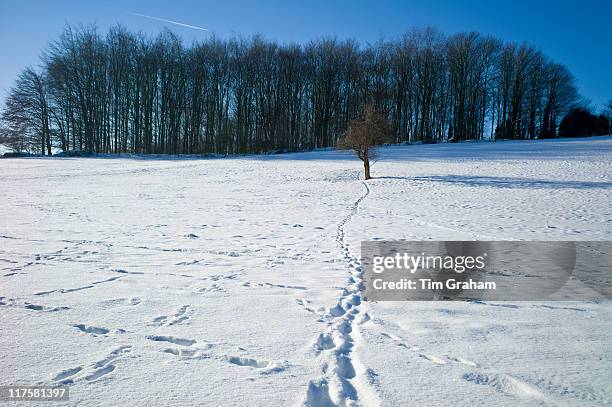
x=576, y=33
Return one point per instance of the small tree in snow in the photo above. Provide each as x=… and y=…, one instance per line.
x=608, y=110
x=363, y=135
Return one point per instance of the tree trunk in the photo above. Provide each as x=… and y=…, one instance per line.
x=366, y=164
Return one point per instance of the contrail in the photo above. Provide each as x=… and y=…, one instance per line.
x=168, y=21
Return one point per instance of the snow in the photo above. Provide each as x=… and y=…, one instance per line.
x=236, y=281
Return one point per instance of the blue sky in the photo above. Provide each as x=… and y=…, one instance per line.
x=576, y=33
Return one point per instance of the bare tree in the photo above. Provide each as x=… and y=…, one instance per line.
x=560, y=95
x=608, y=111
x=27, y=111
x=363, y=135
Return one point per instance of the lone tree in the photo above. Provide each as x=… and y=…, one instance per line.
x=363, y=135
x=608, y=110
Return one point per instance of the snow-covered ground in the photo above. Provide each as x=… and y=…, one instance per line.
x=233, y=282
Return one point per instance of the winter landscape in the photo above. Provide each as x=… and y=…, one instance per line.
x=238, y=285
x=208, y=203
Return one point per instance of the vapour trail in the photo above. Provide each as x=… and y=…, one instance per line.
x=169, y=21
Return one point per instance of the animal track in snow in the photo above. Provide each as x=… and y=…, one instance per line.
x=264, y=367
x=505, y=384
x=171, y=339
x=187, y=263
x=121, y=271
x=217, y=277
x=464, y=361
x=271, y=285
x=94, y=371
x=267, y=367
x=95, y=330
x=65, y=290
x=92, y=329
x=96, y=374
x=432, y=358
x=64, y=374
x=306, y=305
x=185, y=353
x=10, y=302
x=35, y=307
x=501, y=382
x=180, y=316
x=214, y=288
x=118, y=302
x=86, y=287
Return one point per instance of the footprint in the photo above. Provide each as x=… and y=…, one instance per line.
x=432, y=358
x=305, y=304
x=171, y=339
x=240, y=361
x=35, y=307
x=562, y=308
x=317, y=394
x=362, y=318
x=324, y=342
x=94, y=330
x=344, y=327
x=214, y=288
x=95, y=369
x=505, y=384
x=100, y=372
x=464, y=361
x=64, y=374
x=336, y=311
x=117, y=302
x=266, y=366
x=160, y=319
x=86, y=287
x=181, y=315
x=271, y=285
x=187, y=263
x=400, y=342
x=189, y=353
x=112, y=355
x=121, y=271
x=345, y=367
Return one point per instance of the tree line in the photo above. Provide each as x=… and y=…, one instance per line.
x=124, y=92
x=580, y=122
